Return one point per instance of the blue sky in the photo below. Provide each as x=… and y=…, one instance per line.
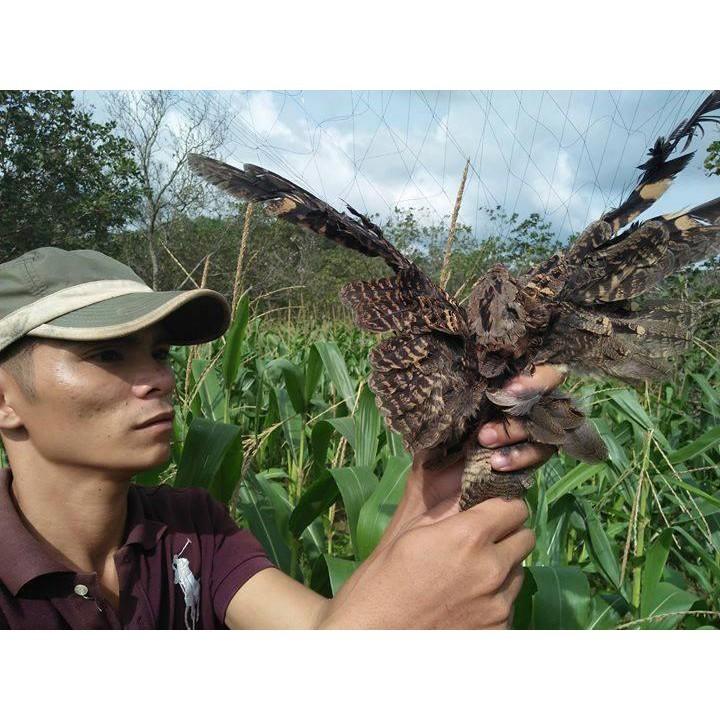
x=565, y=155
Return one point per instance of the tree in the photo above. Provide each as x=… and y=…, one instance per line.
x=163, y=127
x=64, y=179
x=712, y=159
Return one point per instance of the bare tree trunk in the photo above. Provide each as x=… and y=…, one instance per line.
x=152, y=251
x=164, y=127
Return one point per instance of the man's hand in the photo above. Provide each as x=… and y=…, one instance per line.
x=439, y=489
x=462, y=571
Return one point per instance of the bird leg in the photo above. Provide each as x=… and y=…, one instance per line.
x=480, y=482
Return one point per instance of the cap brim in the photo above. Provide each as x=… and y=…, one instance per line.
x=191, y=317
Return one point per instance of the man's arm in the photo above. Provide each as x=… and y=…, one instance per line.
x=434, y=566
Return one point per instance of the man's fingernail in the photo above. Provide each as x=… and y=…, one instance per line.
x=488, y=435
x=499, y=461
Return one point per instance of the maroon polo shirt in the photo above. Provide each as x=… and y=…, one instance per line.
x=38, y=592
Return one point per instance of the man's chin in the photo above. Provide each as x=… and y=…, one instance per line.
x=149, y=461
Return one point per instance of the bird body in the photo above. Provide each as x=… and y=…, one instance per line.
x=441, y=372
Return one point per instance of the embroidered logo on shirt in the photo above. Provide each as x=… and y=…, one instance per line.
x=190, y=586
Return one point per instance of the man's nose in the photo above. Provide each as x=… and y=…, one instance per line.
x=157, y=375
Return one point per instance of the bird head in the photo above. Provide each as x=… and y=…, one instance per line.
x=496, y=312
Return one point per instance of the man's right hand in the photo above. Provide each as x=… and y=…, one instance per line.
x=446, y=570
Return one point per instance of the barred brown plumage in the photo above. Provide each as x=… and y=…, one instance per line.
x=440, y=375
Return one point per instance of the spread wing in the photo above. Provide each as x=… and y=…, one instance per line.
x=601, y=324
x=425, y=375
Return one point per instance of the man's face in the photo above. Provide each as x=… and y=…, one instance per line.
x=90, y=398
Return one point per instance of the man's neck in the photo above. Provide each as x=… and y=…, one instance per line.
x=78, y=512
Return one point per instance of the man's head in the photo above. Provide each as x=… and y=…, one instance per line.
x=84, y=358
x=80, y=404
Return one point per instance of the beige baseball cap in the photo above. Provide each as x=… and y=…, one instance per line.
x=86, y=295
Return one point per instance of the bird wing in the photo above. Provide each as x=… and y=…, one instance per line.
x=290, y=202
x=601, y=324
x=424, y=376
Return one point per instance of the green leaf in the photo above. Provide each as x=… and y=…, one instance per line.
x=259, y=514
x=712, y=395
x=314, y=540
x=232, y=354
x=562, y=600
x=294, y=382
x=704, y=443
x=601, y=549
x=710, y=499
x=376, y=513
x=629, y=405
x=205, y=448
x=317, y=498
x=522, y=615
x=228, y=476
x=337, y=372
x=616, y=452
x=291, y=421
x=319, y=443
x=606, y=615
x=339, y=570
x=346, y=427
x=655, y=560
x=212, y=397
x=367, y=429
x=578, y=475
x=356, y=485
x=667, y=600
x=709, y=561
x=395, y=444
x=313, y=371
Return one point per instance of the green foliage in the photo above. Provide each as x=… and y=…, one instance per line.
x=65, y=180
x=712, y=159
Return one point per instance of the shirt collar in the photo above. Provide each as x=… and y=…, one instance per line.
x=139, y=528
x=23, y=558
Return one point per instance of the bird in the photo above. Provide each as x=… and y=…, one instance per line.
x=440, y=370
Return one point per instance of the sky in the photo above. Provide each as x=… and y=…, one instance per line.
x=566, y=155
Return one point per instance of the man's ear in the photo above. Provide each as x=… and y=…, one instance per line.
x=9, y=419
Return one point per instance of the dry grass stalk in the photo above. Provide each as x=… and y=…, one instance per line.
x=237, y=285
x=192, y=353
x=445, y=271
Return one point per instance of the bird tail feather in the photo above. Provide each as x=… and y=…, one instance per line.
x=290, y=202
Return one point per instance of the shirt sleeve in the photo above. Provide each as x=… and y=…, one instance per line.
x=238, y=556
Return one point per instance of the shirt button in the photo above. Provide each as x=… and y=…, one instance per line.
x=81, y=590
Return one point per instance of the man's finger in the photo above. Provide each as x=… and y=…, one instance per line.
x=497, y=516
x=496, y=434
x=516, y=547
x=545, y=378
x=513, y=583
x=521, y=456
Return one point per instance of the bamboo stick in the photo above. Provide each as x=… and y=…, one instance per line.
x=445, y=270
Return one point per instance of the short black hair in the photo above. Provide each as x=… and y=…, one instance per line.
x=16, y=358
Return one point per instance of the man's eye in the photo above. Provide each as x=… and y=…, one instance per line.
x=107, y=355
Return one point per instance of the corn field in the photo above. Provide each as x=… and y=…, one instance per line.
x=276, y=420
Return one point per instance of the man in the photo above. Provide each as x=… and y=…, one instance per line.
x=86, y=403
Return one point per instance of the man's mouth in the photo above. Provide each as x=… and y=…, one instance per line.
x=162, y=420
